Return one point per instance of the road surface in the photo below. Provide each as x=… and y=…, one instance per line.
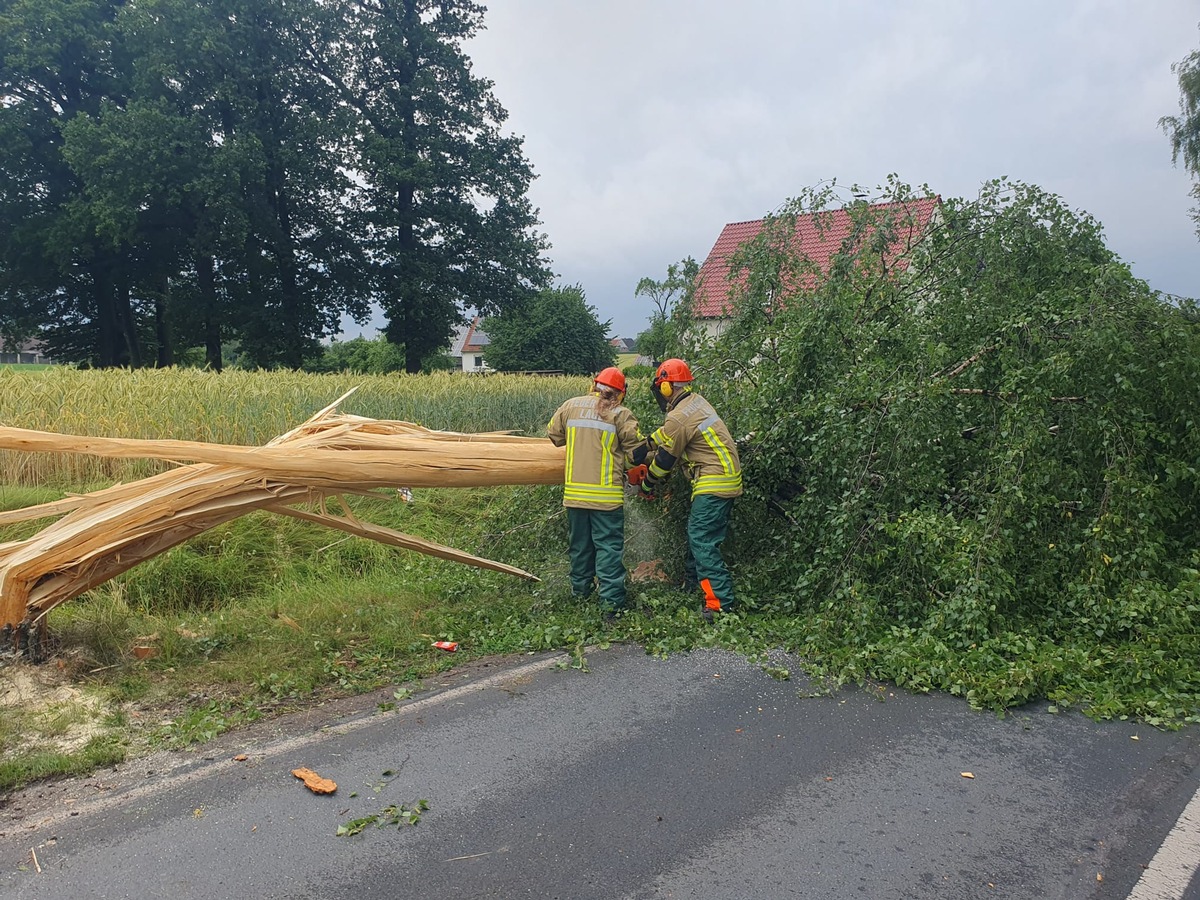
x=699, y=776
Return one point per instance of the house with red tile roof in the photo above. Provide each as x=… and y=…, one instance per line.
x=816, y=236
x=468, y=346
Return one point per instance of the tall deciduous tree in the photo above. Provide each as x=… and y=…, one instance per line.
x=660, y=340
x=59, y=59
x=443, y=194
x=1184, y=129
x=554, y=331
x=228, y=162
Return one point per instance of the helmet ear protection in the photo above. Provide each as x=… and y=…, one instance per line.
x=671, y=370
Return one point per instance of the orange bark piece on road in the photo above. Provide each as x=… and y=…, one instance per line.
x=315, y=782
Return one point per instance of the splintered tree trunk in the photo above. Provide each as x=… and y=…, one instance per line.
x=103, y=534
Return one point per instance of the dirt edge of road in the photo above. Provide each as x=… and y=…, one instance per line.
x=32, y=808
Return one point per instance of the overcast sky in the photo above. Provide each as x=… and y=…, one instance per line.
x=652, y=123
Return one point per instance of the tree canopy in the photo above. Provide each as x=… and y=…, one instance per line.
x=181, y=173
x=1184, y=129
x=370, y=357
x=556, y=330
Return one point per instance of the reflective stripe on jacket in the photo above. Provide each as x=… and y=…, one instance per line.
x=598, y=447
x=693, y=433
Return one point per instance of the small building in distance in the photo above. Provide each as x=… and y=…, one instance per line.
x=29, y=352
x=469, y=346
x=624, y=345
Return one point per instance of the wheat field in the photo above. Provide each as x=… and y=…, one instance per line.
x=244, y=408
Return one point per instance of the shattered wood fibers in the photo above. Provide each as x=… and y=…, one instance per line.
x=107, y=532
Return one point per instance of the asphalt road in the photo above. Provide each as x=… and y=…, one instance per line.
x=700, y=776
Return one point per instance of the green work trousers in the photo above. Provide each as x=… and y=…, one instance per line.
x=597, y=548
x=708, y=523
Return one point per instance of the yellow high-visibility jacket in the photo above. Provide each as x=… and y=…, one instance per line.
x=598, y=451
x=695, y=435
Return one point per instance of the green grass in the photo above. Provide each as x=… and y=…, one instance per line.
x=264, y=614
x=39, y=764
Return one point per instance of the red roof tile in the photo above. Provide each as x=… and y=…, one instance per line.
x=817, y=243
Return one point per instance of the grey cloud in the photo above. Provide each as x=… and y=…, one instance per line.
x=651, y=124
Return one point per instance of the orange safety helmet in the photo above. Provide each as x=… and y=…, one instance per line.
x=670, y=371
x=612, y=377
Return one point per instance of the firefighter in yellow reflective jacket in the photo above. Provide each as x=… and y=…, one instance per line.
x=693, y=433
x=600, y=434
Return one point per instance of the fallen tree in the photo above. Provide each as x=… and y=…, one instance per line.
x=99, y=535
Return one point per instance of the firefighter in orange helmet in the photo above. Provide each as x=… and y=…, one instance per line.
x=693, y=434
x=600, y=435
